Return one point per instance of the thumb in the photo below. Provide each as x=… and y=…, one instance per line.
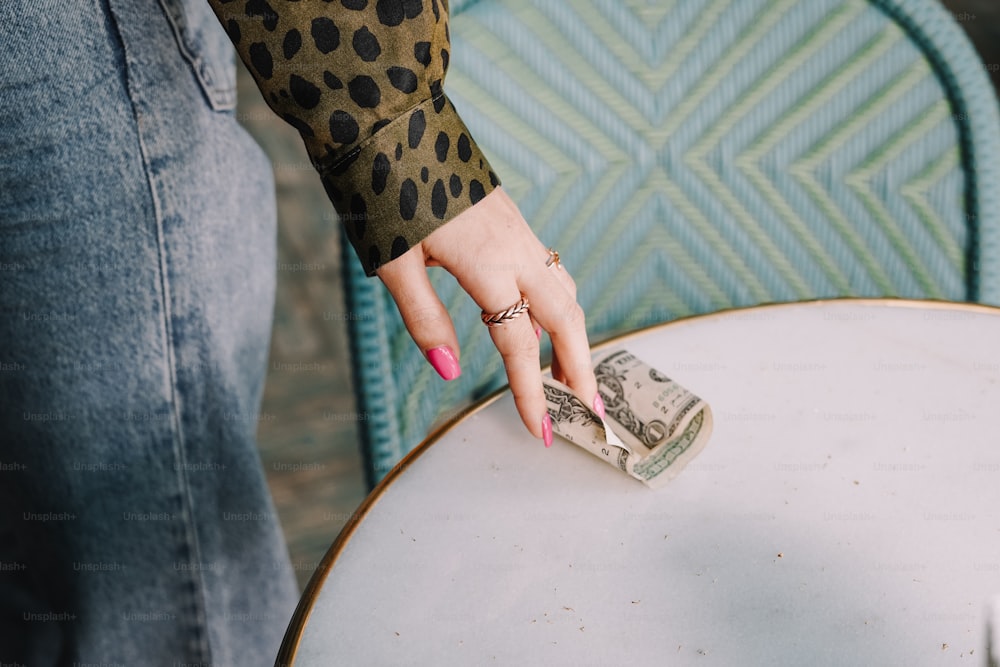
x=424, y=315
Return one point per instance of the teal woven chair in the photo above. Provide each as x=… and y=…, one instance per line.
x=690, y=156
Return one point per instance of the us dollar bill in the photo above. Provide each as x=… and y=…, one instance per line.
x=653, y=426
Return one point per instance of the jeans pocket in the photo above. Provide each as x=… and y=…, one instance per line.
x=205, y=46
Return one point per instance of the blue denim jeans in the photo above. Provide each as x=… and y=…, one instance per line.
x=137, y=269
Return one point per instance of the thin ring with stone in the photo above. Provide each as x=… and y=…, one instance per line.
x=497, y=319
x=553, y=258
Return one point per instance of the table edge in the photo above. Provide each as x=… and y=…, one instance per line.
x=296, y=625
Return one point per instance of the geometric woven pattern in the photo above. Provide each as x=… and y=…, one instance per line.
x=691, y=156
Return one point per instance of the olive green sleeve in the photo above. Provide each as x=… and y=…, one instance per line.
x=361, y=80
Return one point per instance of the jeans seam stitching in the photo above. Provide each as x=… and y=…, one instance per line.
x=201, y=69
x=187, y=506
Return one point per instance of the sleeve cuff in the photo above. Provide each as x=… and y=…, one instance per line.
x=412, y=176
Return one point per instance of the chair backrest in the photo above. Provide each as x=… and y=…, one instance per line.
x=697, y=155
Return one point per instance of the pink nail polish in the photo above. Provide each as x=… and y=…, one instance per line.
x=599, y=405
x=538, y=333
x=444, y=362
x=547, y=430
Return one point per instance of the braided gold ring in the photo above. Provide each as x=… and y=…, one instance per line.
x=553, y=259
x=497, y=319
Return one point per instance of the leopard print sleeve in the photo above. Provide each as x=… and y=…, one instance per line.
x=361, y=80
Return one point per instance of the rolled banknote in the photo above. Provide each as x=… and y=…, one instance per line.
x=653, y=426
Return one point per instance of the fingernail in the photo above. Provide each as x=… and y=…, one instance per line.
x=547, y=430
x=599, y=405
x=444, y=362
x=538, y=333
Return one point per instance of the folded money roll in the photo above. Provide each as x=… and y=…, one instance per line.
x=653, y=426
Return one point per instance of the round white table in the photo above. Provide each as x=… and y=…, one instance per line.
x=846, y=511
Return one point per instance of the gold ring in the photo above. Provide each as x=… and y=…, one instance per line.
x=496, y=319
x=553, y=259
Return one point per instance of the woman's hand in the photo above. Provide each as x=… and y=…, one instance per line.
x=496, y=258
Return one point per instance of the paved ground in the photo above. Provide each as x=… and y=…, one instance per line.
x=308, y=430
x=981, y=20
